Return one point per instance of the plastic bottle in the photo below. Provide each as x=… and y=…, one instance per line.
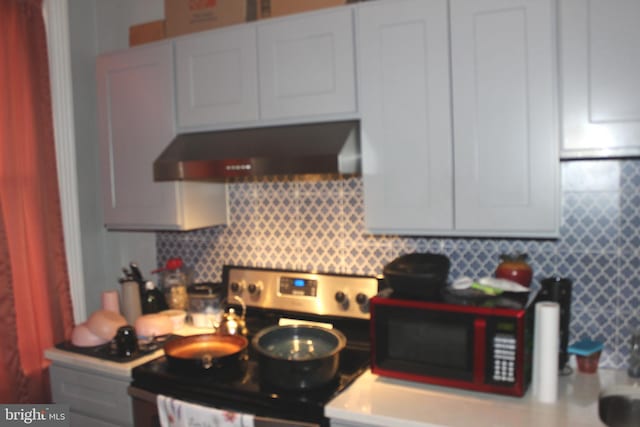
x=153, y=300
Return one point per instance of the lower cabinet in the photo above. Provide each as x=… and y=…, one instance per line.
x=94, y=399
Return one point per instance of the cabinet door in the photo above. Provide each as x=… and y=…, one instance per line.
x=306, y=64
x=505, y=138
x=403, y=75
x=600, y=65
x=136, y=122
x=92, y=396
x=217, y=81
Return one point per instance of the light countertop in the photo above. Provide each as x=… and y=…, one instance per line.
x=114, y=369
x=386, y=402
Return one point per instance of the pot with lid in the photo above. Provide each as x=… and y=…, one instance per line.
x=298, y=357
x=418, y=275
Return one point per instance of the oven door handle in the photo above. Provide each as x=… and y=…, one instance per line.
x=147, y=396
x=141, y=394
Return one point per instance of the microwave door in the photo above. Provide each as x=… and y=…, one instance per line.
x=421, y=343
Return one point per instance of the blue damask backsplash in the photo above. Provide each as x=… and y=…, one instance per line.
x=319, y=225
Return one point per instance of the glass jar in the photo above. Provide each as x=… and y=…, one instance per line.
x=634, y=356
x=515, y=268
x=175, y=290
x=206, y=304
x=174, y=278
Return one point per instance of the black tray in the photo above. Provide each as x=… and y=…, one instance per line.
x=474, y=297
x=108, y=351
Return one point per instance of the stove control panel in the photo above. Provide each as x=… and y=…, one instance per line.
x=313, y=293
x=298, y=286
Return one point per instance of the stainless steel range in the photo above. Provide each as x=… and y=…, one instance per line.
x=271, y=297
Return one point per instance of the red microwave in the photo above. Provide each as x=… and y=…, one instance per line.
x=469, y=347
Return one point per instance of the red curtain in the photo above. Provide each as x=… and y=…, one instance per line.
x=35, y=301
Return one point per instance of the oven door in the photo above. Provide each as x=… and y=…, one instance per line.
x=145, y=413
x=422, y=342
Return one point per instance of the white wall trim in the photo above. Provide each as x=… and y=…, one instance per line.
x=57, y=22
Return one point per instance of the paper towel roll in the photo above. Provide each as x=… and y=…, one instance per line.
x=545, y=352
x=110, y=301
x=131, y=305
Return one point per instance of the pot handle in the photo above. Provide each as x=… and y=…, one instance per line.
x=207, y=361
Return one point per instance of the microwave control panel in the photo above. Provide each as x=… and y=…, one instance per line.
x=504, y=358
x=502, y=348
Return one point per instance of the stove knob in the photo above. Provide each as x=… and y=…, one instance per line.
x=236, y=287
x=343, y=299
x=254, y=288
x=363, y=302
x=362, y=299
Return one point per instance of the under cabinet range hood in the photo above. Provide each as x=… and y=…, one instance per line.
x=317, y=148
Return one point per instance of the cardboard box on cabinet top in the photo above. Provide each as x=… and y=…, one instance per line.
x=146, y=33
x=188, y=16
x=272, y=8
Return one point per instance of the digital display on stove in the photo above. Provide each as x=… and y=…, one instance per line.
x=298, y=286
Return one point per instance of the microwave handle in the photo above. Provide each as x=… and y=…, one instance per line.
x=479, y=350
x=384, y=292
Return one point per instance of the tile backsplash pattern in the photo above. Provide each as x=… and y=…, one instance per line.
x=306, y=225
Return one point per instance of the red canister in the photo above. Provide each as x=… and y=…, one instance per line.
x=515, y=268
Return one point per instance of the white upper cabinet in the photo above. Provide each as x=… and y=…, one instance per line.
x=136, y=123
x=404, y=83
x=280, y=69
x=216, y=77
x=307, y=65
x=458, y=117
x=600, y=69
x=504, y=109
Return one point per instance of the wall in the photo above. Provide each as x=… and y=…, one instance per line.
x=293, y=224
x=97, y=26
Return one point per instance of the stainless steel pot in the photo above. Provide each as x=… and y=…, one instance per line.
x=296, y=357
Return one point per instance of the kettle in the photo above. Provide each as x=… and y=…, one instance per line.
x=232, y=323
